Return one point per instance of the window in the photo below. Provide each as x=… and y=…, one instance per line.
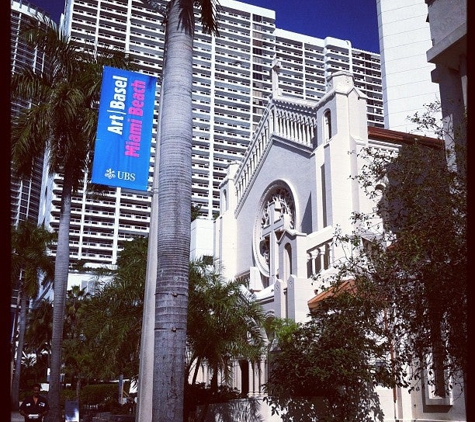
x=327, y=126
x=287, y=262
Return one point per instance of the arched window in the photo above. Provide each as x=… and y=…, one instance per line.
x=327, y=126
x=277, y=214
x=287, y=261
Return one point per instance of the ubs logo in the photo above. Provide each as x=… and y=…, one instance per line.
x=121, y=175
x=125, y=175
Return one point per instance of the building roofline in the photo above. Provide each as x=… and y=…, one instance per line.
x=397, y=137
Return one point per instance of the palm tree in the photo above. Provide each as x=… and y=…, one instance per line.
x=224, y=321
x=112, y=319
x=76, y=356
x=38, y=336
x=224, y=324
x=30, y=263
x=174, y=214
x=61, y=122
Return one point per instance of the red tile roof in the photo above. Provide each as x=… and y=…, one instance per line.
x=347, y=285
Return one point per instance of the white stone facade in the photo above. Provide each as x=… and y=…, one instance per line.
x=281, y=204
x=280, y=208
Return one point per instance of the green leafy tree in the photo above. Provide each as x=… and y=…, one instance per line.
x=195, y=211
x=174, y=197
x=411, y=251
x=419, y=253
x=327, y=369
x=387, y=320
x=39, y=332
x=278, y=331
x=32, y=266
x=218, y=311
x=38, y=335
x=76, y=354
x=37, y=347
x=61, y=122
x=113, y=316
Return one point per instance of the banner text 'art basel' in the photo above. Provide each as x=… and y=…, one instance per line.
x=124, y=130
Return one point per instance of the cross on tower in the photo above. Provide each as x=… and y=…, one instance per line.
x=276, y=66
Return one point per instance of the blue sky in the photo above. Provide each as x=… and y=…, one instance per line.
x=345, y=19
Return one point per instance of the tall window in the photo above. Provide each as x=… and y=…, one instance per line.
x=327, y=126
x=324, y=196
x=287, y=262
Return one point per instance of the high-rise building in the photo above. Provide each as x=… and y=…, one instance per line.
x=232, y=84
x=25, y=195
x=404, y=38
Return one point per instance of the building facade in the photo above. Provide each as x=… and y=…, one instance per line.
x=448, y=28
x=232, y=85
x=275, y=115
x=404, y=38
x=26, y=196
x=281, y=207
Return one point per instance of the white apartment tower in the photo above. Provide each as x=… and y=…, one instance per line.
x=404, y=38
x=232, y=84
x=25, y=195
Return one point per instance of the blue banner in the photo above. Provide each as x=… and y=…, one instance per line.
x=124, y=131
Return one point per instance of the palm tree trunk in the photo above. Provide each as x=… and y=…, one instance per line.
x=19, y=351
x=13, y=336
x=59, y=302
x=145, y=382
x=173, y=239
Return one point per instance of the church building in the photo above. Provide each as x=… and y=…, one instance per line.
x=281, y=206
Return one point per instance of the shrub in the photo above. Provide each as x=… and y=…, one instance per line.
x=98, y=394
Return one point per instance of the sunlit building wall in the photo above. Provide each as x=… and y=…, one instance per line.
x=404, y=38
